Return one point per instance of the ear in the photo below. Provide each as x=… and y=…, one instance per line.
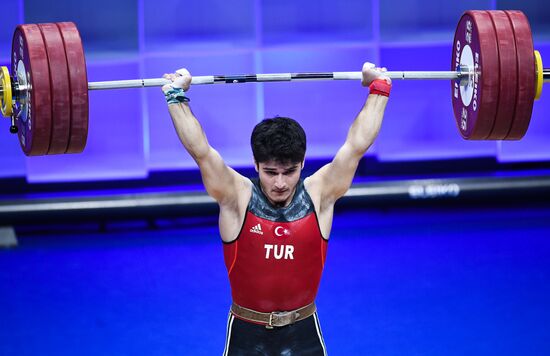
x=303, y=163
x=256, y=166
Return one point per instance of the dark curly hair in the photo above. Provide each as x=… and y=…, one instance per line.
x=279, y=139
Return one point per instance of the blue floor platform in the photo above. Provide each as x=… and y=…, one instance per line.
x=416, y=281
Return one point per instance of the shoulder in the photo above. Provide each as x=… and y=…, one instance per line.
x=313, y=184
x=319, y=186
x=240, y=195
x=245, y=188
x=313, y=188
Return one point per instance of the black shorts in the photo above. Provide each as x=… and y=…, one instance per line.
x=301, y=338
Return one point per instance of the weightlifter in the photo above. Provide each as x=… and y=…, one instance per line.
x=275, y=228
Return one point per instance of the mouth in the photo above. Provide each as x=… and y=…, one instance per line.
x=279, y=192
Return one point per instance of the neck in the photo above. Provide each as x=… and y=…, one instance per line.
x=283, y=204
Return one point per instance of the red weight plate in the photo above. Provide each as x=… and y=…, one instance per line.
x=33, y=112
x=475, y=105
x=60, y=89
x=526, y=75
x=508, y=75
x=79, y=86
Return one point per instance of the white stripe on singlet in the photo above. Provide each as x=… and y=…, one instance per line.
x=319, y=333
x=228, y=336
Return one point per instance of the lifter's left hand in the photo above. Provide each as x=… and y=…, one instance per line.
x=371, y=73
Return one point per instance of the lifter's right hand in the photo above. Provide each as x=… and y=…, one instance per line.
x=180, y=79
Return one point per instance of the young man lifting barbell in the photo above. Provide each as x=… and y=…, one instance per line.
x=275, y=228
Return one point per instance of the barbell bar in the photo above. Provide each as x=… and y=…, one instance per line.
x=276, y=77
x=495, y=76
x=267, y=77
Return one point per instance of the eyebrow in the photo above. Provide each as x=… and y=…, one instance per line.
x=272, y=169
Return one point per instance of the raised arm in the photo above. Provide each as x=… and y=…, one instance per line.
x=334, y=179
x=222, y=183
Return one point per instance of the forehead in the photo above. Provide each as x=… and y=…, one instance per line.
x=274, y=165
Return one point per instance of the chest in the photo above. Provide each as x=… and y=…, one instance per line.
x=279, y=240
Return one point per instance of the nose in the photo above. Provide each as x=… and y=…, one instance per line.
x=280, y=182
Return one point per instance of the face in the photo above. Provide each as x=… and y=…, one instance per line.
x=278, y=181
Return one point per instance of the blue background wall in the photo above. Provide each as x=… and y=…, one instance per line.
x=131, y=133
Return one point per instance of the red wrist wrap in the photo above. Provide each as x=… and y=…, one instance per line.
x=380, y=87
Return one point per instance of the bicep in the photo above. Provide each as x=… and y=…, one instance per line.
x=334, y=179
x=222, y=182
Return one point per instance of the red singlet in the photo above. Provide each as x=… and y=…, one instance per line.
x=276, y=262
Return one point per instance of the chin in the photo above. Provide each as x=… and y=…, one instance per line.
x=279, y=199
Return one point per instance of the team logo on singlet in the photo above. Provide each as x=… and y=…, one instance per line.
x=281, y=231
x=257, y=229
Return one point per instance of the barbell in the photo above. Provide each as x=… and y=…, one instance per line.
x=495, y=77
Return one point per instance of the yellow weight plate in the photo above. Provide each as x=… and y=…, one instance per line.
x=6, y=97
x=540, y=78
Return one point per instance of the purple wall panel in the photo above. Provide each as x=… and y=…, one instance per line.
x=325, y=109
x=224, y=24
x=409, y=21
x=419, y=122
x=12, y=8
x=104, y=25
x=226, y=112
x=322, y=21
x=115, y=139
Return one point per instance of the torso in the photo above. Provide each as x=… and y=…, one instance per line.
x=276, y=261
x=231, y=217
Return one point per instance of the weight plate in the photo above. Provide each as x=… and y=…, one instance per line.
x=33, y=110
x=59, y=88
x=508, y=75
x=475, y=103
x=79, y=86
x=526, y=75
